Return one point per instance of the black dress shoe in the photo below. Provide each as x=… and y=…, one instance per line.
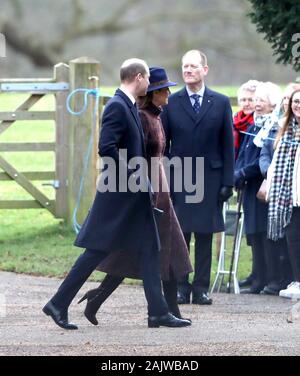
x=269, y=290
x=60, y=318
x=167, y=320
x=246, y=282
x=201, y=298
x=183, y=298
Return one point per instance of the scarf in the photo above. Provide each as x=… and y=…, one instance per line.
x=268, y=124
x=281, y=190
x=241, y=122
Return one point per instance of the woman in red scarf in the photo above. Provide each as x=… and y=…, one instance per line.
x=244, y=118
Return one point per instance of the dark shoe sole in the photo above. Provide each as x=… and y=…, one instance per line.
x=157, y=325
x=209, y=302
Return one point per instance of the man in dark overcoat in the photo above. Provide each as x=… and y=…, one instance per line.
x=119, y=219
x=198, y=123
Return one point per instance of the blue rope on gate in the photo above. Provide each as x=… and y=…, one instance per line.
x=87, y=93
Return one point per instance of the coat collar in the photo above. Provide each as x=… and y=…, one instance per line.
x=134, y=112
x=206, y=104
x=132, y=108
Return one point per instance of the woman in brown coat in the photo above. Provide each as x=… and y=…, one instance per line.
x=175, y=262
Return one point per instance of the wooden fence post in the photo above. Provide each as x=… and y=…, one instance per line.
x=80, y=128
x=61, y=74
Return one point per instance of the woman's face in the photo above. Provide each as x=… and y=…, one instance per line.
x=286, y=98
x=246, y=101
x=296, y=106
x=262, y=105
x=160, y=97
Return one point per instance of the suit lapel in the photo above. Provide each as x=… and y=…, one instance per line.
x=133, y=110
x=205, y=106
x=186, y=104
x=134, y=113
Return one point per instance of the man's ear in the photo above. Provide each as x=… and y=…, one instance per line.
x=206, y=69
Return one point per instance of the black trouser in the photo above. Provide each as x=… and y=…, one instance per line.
x=285, y=265
x=87, y=263
x=273, y=253
x=202, y=267
x=292, y=232
x=259, y=244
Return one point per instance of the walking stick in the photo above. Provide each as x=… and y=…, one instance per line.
x=240, y=195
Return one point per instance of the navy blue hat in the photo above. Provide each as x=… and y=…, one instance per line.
x=158, y=79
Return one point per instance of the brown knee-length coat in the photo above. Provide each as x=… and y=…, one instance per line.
x=174, y=256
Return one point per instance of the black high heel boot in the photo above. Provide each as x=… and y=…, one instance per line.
x=96, y=297
x=170, y=294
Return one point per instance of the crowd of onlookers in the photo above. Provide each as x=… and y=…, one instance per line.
x=267, y=159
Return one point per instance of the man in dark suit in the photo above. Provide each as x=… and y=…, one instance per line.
x=119, y=219
x=198, y=123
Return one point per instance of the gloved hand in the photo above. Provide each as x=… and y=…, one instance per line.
x=239, y=179
x=225, y=193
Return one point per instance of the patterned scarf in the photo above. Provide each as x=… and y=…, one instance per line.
x=281, y=191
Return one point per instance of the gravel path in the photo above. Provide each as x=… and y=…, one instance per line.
x=233, y=325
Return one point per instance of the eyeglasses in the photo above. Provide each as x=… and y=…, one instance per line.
x=296, y=102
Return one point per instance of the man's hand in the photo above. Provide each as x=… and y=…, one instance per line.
x=225, y=193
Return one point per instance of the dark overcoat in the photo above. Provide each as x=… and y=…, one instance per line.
x=255, y=211
x=174, y=256
x=208, y=134
x=120, y=221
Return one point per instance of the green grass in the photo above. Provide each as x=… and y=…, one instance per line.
x=33, y=241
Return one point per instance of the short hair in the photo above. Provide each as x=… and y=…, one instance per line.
x=131, y=68
x=250, y=85
x=271, y=91
x=203, y=58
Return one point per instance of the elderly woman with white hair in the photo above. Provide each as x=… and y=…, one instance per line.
x=249, y=178
x=244, y=117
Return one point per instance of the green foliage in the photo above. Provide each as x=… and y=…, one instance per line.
x=279, y=21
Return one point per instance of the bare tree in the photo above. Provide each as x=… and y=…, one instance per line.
x=73, y=28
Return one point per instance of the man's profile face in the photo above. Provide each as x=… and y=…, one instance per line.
x=142, y=84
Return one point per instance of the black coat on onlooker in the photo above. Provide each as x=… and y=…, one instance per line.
x=248, y=176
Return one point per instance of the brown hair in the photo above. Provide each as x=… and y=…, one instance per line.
x=144, y=101
x=287, y=120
